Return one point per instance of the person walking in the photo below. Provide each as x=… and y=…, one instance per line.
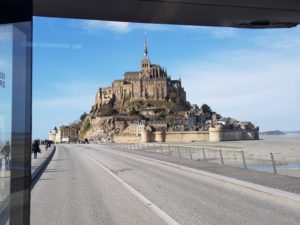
x=6, y=152
x=47, y=144
x=36, y=148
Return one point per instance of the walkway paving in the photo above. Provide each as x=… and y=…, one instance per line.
x=41, y=157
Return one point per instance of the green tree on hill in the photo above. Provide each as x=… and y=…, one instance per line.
x=206, y=109
x=83, y=116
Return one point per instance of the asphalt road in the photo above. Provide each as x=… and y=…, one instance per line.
x=91, y=184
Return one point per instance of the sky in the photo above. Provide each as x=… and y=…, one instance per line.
x=246, y=74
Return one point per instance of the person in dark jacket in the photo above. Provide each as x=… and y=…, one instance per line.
x=47, y=144
x=36, y=148
x=6, y=152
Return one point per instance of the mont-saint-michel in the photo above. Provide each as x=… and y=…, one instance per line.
x=147, y=105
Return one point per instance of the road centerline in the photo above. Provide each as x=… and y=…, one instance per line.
x=154, y=208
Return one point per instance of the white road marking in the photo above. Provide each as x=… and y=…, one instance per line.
x=164, y=216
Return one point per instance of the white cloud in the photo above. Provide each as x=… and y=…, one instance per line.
x=223, y=32
x=84, y=91
x=278, y=39
x=64, y=102
x=62, y=111
x=150, y=26
x=94, y=26
x=213, y=32
x=58, y=45
x=246, y=85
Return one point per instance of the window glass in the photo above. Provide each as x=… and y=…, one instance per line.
x=5, y=117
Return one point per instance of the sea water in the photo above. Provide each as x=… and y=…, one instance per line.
x=280, y=137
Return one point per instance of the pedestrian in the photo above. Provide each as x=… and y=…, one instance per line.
x=6, y=152
x=48, y=144
x=36, y=148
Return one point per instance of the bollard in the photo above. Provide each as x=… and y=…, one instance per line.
x=179, y=152
x=273, y=163
x=204, y=156
x=161, y=150
x=244, y=161
x=221, y=156
x=169, y=150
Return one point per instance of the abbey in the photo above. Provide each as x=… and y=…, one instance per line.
x=148, y=106
x=151, y=83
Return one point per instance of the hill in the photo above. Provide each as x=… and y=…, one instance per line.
x=272, y=132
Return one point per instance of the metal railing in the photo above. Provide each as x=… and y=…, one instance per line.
x=268, y=162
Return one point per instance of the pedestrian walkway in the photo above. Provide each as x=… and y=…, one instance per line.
x=5, y=175
x=280, y=182
x=41, y=157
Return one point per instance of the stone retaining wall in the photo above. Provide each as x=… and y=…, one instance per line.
x=186, y=136
x=214, y=134
x=221, y=134
x=126, y=138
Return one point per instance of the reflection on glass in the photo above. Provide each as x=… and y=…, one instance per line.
x=5, y=118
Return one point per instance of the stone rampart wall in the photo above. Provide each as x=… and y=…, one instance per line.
x=220, y=134
x=186, y=136
x=214, y=134
x=126, y=138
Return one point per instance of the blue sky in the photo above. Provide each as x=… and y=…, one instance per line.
x=250, y=75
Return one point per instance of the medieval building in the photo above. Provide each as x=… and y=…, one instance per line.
x=151, y=82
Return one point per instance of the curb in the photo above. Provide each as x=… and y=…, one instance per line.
x=41, y=167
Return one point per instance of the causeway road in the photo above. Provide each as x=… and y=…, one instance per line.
x=94, y=184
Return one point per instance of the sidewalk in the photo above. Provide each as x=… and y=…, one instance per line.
x=41, y=157
x=276, y=181
x=36, y=166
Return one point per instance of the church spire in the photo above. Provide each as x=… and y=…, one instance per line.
x=145, y=62
x=145, y=48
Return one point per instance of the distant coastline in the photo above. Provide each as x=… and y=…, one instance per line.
x=272, y=132
x=292, y=132
x=278, y=132
x=281, y=135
